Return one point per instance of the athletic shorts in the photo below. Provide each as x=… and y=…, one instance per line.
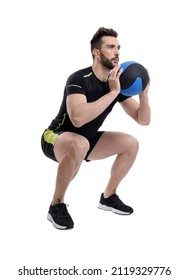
x=47, y=143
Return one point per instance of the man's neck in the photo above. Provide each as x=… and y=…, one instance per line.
x=100, y=72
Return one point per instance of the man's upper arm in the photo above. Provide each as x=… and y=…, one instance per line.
x=73, y=100
x=76, y=92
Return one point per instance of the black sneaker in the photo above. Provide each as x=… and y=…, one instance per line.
x=114, y=204
x=60, y=217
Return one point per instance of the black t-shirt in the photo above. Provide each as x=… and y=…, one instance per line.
x=84, y=82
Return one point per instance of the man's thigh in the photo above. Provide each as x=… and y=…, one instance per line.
x=111, y=143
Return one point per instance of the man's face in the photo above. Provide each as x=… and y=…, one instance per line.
x=109, y=52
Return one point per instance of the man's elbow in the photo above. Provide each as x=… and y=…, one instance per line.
x=76, y=121
x=144, y=122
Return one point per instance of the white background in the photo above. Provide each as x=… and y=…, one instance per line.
x=42, y=43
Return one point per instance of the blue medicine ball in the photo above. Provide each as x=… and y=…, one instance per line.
x=134, y=78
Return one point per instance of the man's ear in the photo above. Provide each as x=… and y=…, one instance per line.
x=96, y=53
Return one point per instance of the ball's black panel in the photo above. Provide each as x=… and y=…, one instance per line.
x=130, y=74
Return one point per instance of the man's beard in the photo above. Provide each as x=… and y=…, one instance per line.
x=106, y=62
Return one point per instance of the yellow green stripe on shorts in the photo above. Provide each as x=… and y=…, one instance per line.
x=50, y=136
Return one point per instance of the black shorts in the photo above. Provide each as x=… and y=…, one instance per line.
x=48, y=146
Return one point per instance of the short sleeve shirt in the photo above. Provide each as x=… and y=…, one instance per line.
x=84, y=82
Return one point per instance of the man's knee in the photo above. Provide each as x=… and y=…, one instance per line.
x=133, y=144
x=71, y=145
x=79, y=147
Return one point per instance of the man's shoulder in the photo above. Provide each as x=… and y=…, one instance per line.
x=85, y=72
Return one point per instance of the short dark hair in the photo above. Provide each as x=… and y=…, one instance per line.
x=96, y=41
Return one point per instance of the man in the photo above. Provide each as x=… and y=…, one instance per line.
x=74, y=136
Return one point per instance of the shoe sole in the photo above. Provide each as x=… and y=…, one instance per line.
x=116, y=211
x=49, y=217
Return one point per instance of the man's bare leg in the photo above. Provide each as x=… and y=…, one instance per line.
x=70, y=150
x=125, y=147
